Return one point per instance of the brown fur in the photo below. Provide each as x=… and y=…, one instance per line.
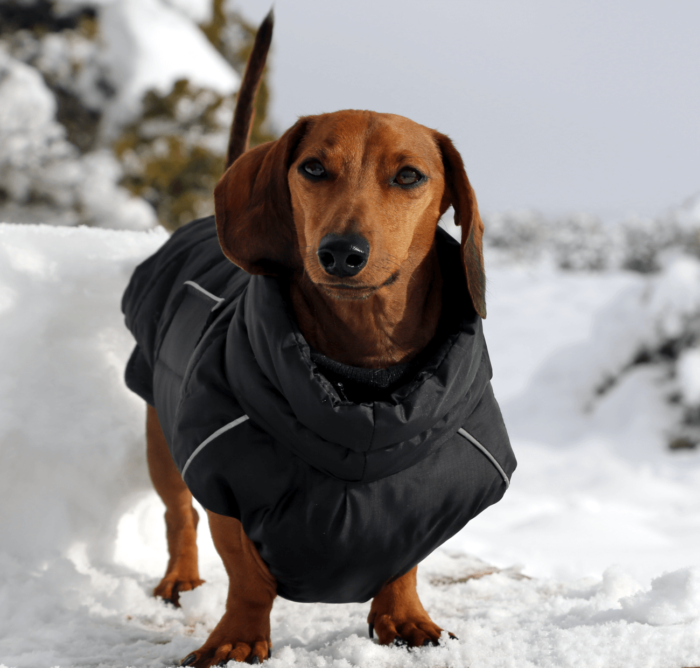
x=396, y=612
x=270, y=220
x=181, y=519
x=245, y=105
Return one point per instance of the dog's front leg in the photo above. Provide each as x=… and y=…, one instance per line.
x=181, y=519
x=398, y=615
x=243, y=634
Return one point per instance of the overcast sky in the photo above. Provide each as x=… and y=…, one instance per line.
x=556, y=105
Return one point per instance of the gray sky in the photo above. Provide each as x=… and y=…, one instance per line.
x=555, y=105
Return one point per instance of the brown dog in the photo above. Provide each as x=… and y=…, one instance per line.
x=345, y=206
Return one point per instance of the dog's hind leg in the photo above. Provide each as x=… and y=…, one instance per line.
x=181, y=518
x=398, y=616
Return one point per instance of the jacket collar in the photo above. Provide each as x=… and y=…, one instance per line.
x=271, y=372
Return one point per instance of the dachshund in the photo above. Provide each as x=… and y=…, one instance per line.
x=344, y=209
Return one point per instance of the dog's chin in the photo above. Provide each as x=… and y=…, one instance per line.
x=353, y=291
x=347, y=292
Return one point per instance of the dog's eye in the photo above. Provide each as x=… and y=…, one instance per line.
x=408, y=176
x=315, y=168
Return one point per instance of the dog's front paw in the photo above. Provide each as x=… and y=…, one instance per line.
x=172, y=585
x=412, y=630
x=242, y=635
x=218, y=655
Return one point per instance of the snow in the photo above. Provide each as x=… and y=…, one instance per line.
x=26, y=106
x=597, y=541
x=37, y=163
x=689, y=376
x=150, y=44
x=27, y=109
x=64, y=413
x=688, y=212
x=199, y=11
x=140, y=45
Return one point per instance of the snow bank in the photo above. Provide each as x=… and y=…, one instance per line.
x=596, y=484
x=71, y=433
x=83, y=539
x=634, y=314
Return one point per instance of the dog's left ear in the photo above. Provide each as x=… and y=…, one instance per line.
x=253, y=207
x=460, y=194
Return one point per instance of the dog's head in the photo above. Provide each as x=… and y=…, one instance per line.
x=351, y=198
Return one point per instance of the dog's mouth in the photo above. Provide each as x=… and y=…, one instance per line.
x=350, y=292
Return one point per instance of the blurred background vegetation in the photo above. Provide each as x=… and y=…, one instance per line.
x=171, y=154
x=168, y=153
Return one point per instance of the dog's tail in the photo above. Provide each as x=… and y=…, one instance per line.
x=245, y=104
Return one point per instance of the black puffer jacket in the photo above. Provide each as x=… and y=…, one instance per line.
x=338, y=497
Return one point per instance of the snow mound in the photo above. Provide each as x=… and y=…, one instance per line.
x=674, y=598
x=71, y=432
x=636, y=315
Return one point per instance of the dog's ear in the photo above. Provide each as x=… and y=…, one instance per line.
x=253, y=207
x=459, y=194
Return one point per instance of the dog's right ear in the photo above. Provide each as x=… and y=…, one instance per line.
x=460, y=194
x=254, y=210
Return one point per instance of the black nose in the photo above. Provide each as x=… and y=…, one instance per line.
x=343, y=255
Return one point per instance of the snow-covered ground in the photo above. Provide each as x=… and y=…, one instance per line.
x=597, y=541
